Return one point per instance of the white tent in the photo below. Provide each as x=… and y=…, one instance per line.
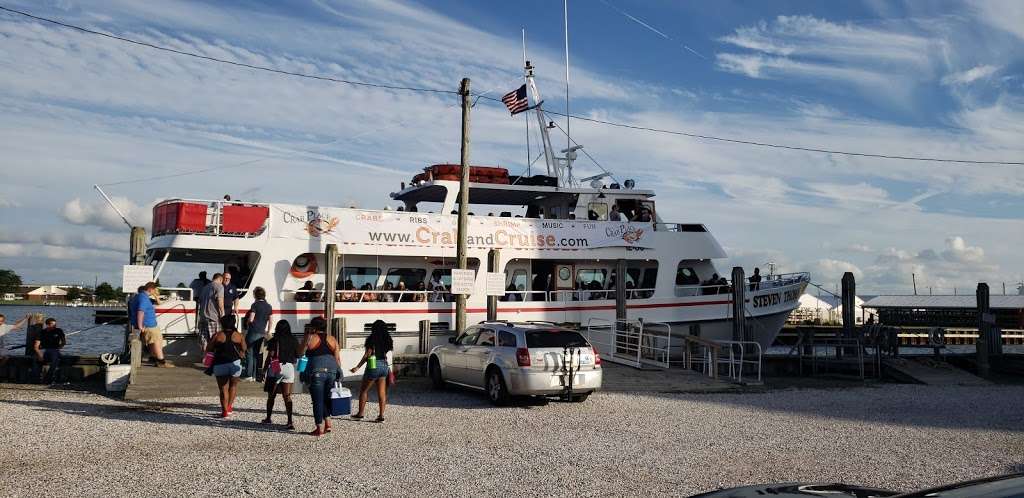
x=859, y=315
x=812, y=308
x=48, y=291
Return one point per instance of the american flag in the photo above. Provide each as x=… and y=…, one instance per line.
x=516, y=100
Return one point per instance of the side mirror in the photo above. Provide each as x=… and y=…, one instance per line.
x=451, y=340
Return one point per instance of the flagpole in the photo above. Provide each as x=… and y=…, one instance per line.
x=526, y=117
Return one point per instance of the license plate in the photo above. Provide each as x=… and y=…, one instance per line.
x=562, y=380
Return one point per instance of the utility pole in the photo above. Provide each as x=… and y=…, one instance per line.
x=460, y=248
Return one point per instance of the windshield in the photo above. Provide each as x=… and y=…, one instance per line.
x=555, y=339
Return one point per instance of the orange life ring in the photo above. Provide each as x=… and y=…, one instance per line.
x=304, y=265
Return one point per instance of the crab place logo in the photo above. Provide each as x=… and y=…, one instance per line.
x=317, y=223
x=629, y=234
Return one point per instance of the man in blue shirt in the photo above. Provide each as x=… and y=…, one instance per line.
x=230, y=295
x=145, y=320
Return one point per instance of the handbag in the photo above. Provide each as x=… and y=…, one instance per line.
x=208, y=359
x=275, y=362
x=391, y=377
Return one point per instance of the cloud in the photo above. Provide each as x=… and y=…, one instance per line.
x=806, y=47
x=958, y=265
x=831, y=270
x=101, y=215
x=1007, y=15
x=970, y=76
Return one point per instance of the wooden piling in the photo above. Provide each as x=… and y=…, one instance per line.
x=739, y=304
x=849, y=303
x=493, y=262
x=424, y=336
x=620, y=289
x=330, y=288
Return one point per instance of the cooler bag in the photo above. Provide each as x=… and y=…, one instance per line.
x=341, y=401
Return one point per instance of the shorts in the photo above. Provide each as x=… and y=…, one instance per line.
x=233, y=369
x=377, y=373
x=287, y=374
x=152, y=335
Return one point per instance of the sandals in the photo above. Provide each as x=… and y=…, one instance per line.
x=289, y=427
x=315, y=432
x=379, y=420
x=266, y=421
x=357, y=417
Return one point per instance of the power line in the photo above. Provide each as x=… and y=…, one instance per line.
x=225, y=61
x=481, y=96
x=779, y=146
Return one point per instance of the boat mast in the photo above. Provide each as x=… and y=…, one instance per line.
x=549, y=155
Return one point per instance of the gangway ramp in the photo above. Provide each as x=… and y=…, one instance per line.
x=930, y=372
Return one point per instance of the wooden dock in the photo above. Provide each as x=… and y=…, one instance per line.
x=930, y=372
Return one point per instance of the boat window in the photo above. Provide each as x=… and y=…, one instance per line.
x=486, y=338
x=411, y=277
x=506, y=339
x=445, y=275
x=358, y=276
x=591, y=278
x=514, y=290
x=686, y=275
x=597, y=211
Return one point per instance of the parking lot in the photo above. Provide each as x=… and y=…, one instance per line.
x=455, y=443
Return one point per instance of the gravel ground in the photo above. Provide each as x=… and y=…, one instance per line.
x=74, y=443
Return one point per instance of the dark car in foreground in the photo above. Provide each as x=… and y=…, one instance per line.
x=1005, y=486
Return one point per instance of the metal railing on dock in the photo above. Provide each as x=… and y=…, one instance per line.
x=636, y=343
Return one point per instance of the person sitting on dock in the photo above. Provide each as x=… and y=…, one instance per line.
x=227, y=346
x=212, y=303
x=47, y=350
x=144, y=320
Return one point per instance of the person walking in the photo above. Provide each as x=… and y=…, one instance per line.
x=47, y=350
x=212, y=304
x=231, y=295
x=284, y=349
x=322, y=370
x=377, y=346
x=258, y=329
x=35, y=327
x=227, y=346
x=144, y=320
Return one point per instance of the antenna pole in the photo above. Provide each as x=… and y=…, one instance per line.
x=111, y=203
x=565, y=16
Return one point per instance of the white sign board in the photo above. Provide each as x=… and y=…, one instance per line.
x=495, y=284
x=135, y=276
x=462, y=281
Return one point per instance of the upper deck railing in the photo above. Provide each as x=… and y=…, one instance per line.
x=218, y=218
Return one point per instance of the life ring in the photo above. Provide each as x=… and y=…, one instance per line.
x=304, y=265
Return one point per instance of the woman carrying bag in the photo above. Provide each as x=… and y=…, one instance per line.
x=227, y=347
x=282, y=353
x=321, y=372
x=377, y=371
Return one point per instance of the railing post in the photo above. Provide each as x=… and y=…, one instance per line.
x=424, y=336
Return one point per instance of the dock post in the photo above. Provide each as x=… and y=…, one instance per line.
x=330, y=287
x=424, y=336
x=341, y=328
x=739, y=304
x=463, y=223
x=985, y=322
x=137, y=248
x=849, y=303
x=493, y=261
x=620, y=290
x=135, y=351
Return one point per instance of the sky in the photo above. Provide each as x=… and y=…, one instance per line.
x=915, y=78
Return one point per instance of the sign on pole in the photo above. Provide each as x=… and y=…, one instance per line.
x=462, y=281
x=135, y=276
x=495, y=284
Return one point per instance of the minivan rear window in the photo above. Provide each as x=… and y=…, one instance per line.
x=554, y=339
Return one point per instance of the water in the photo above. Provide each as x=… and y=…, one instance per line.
x=102, y=339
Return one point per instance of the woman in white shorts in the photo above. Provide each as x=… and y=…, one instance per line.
x=282, y=349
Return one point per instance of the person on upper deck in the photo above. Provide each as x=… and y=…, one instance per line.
x=510, y=294
x=421, y=293
x=322, y=371
x=755, y=279
x=386, y=296
x=307, y=293
x=349, y=295
x=284, y=349
x=405, y=296
x=367, y=294
x=615, y=215
x=708, y=286
x=437, y=288
x=377, y=345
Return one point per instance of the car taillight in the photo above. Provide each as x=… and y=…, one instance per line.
x=597, y=356
x=523, y=357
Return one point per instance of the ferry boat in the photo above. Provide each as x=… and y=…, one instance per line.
x=558, y=245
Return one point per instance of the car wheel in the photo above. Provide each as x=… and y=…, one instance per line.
x=579, y=398
x=435, y=373
x=496, y=390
